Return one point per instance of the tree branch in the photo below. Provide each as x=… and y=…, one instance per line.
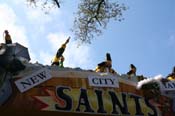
x=96, y=13
x=57, y=3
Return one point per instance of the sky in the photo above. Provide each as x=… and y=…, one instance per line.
x=145, y=38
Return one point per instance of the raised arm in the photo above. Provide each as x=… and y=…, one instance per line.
x=67, y=41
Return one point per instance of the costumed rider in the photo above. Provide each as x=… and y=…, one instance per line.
x=132, y=71
x=59, y=58
x=7, y=37
x=171, y=76
x=105, y=66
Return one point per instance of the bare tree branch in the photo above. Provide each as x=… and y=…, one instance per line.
x=57, y=3
x=93, y=16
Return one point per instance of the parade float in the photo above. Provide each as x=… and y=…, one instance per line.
x=36, y=89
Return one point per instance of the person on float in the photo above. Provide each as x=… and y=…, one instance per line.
x=59, y=54
x=7, y=37
x=106, y=66
x=171, y=76
x=132, y=71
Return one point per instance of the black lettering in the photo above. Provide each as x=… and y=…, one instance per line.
x=106, y=81
x=93, y=80
x=112, y=81
x=115, y=102
x=152, y=107
x=42, y=75
x=165, y=85
x=168, y=85
x=27, y=82
x=83, y=100
x=103, y=81
x=173, y=85
x=100, y=101
x=34, y=79
x=137, y=103
x=100, y=81
x=65, y=97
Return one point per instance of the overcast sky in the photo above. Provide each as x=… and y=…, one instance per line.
x=146, y=38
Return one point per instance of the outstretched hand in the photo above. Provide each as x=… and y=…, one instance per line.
x=67, y=41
